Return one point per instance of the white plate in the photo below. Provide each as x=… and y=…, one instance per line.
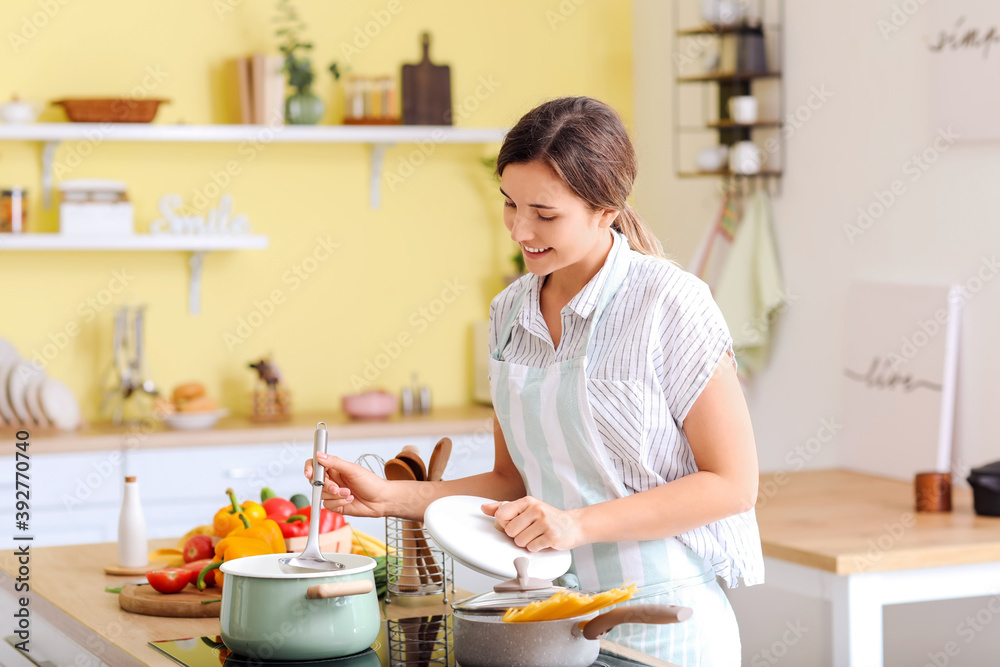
x=457, y=524
x=6, y=364
x=59, y=404
x=34, y=401
x=17, y=386
x=7, y=350
x=194, y=421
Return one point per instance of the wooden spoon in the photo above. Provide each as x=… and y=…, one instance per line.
x=412, y=458
x=409, y=576
x=428, y=567
x=439, y=460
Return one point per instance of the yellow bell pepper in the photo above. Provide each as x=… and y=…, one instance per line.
x=266, y=531
x=248, y=540
x=227, y=519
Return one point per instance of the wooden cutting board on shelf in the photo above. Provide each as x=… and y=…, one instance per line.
x=426, y=90
x=189, y=603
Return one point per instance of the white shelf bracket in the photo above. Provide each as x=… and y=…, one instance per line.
x=378, y=158
x=48, y=159
x=194, y=282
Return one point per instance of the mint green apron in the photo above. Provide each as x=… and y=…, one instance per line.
x=547, y=421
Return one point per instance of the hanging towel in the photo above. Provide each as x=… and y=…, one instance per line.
x=750, y=290
x=710, y=255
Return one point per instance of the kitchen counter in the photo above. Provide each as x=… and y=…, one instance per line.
x=462, y=420
x=856, y=541
x=67, y=596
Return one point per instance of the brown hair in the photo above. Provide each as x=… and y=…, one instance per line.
x=585, y=142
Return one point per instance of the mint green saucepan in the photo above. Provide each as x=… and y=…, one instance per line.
x=268, y=614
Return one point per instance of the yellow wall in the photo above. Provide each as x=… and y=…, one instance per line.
x=441, y=224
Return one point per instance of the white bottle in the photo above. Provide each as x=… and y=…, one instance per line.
x=133, y=549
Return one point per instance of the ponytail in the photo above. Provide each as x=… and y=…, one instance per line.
x=639, y=236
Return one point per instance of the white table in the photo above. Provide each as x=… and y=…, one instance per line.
x=855, y=540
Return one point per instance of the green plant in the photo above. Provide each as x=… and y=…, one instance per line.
x=297, y=65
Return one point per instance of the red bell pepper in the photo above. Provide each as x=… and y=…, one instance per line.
x=279, y=509
x=294, y=526
x=327, y=520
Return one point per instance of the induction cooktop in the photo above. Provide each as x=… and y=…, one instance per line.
x=389, y=649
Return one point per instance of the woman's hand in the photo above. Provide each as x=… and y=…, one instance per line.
x=351, y=489
x=536, y=525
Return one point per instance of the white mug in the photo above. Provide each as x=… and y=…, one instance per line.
x=712, y=158
x=745, y=158
x=743, y=109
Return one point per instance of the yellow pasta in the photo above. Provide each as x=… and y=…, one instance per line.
x=568, y=604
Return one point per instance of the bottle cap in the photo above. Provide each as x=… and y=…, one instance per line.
x=130, y=478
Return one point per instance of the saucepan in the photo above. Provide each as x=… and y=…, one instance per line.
x=269, y=614
x=484, y=640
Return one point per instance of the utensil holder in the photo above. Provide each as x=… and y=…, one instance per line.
x=430, y=572
x=420, y=641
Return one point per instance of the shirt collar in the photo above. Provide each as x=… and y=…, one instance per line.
x=585, y=301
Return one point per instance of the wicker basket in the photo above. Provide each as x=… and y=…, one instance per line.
x=111, y=110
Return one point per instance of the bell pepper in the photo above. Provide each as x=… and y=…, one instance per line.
x=294, y=526
x=327, y=520
x=227, y=519
x=279, y=509
x=249, y=540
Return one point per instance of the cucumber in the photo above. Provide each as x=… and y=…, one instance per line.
x=300, y=501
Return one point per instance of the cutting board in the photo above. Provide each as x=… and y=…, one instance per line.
x=426, y=90
x=186, y=604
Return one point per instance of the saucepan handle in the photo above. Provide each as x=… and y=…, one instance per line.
x=339, y=589
x=639, y=613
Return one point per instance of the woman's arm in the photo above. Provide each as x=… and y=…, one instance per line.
x=356, y=491
x=721, y=437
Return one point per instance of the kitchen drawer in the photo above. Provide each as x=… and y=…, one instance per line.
x=57, y=526
x=70, y=481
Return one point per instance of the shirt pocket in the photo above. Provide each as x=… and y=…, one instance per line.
x=619, y=411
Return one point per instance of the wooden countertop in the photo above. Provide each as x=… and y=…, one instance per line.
x=451, y=421
x=848, y=522
x=67, y=589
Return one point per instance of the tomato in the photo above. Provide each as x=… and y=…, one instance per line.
x=198, y=547
x=169, y=580
x=196, y=566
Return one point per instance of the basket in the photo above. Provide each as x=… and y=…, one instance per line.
x=110, y=110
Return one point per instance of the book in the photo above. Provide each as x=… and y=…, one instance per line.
x=242, y=66
x=900, y=368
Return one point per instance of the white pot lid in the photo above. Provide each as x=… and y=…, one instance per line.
x=457, y=524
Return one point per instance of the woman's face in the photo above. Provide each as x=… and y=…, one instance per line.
x=555, y=228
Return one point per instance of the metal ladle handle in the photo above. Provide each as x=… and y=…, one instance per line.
x=319, y=445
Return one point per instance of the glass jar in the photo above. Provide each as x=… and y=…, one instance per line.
x=13, y=210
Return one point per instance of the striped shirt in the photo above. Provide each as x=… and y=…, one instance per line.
x=661, y=329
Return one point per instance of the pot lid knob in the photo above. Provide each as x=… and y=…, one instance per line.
x=522, y=582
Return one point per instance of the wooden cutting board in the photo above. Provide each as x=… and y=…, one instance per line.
x=426, y=90
x=189, y=603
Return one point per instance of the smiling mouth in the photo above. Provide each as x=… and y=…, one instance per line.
x=534, y=251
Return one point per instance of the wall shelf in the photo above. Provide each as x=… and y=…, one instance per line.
x=197, y=245
x=379, y=137
x=728, y=76
x=738, y=59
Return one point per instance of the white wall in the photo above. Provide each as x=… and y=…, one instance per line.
x=941, y=229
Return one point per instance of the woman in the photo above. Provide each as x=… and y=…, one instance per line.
x=620, y=427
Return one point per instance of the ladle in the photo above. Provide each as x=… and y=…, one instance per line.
x=311, y=559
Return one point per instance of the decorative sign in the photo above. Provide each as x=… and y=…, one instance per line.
x=898, y=377
x=963, y=43
x=218, y=221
